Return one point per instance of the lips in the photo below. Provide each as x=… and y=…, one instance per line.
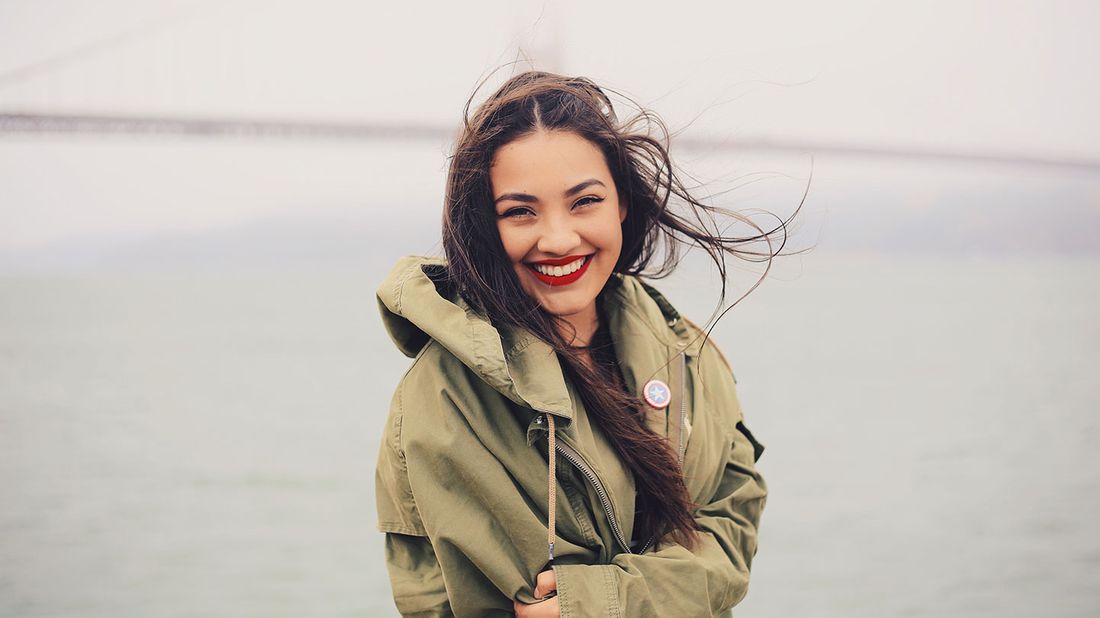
x=565, y=279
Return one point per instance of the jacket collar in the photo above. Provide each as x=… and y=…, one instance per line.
x=647, y=331
x=417, y=306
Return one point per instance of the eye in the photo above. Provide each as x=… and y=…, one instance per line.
x=590, y=200
x=515, y=212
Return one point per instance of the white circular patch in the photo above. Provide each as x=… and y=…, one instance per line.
x=657, y=394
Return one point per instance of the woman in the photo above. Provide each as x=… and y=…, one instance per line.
x=565, y=442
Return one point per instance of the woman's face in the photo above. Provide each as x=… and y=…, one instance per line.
x=559, y=217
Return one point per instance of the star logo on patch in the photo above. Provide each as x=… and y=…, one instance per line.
x=657, y=394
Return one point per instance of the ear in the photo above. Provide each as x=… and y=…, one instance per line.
x=622, y=211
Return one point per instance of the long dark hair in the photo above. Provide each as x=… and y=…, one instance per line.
x=481, y=271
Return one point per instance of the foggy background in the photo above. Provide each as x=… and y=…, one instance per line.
x=199, y=199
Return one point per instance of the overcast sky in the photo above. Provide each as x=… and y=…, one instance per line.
x=1014, y=78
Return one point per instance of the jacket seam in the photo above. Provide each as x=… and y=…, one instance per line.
x=588, y=531
x=399, y=447
x=399, y=429
x=398, y=290
x=524, y=342
x=611, y=592
x=399, y=528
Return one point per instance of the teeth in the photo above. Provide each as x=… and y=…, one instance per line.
x=560, y=271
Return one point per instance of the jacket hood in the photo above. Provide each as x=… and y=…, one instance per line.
x=417, y=305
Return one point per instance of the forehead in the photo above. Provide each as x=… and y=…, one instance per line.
x=546, y=161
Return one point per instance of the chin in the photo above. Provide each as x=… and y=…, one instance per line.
x=561, y=309
x=561, y=302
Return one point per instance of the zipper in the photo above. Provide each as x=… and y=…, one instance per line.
x=605, y=500
x=575, y=458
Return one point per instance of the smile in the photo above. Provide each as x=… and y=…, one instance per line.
x=560, y=275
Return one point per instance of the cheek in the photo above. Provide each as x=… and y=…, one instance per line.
x=512, y=243
x=611, y=236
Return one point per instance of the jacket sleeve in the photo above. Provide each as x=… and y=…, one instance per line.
x=439, y=499
x=416, y=578
x=671, y=580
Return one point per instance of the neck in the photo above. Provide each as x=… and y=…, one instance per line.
x=585, y=323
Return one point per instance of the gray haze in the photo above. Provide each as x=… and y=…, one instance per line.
x=195, y=376
x=1001, y=78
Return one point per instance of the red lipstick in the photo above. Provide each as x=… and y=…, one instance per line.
x=563, y=280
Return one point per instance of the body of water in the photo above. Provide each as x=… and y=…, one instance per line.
x=204, y=444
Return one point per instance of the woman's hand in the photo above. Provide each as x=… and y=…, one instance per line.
x=545, y=583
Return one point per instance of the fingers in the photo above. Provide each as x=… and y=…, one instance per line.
x=545, y=583
x=544, y=609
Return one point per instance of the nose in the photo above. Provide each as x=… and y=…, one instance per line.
x=558, y=237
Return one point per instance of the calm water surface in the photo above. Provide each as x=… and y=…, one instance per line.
x=203, y=444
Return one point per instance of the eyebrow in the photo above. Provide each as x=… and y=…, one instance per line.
x=523, y=197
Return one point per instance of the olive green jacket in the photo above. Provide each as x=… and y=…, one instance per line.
x=462, y=480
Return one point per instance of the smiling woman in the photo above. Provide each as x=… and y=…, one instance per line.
x=546, y=367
